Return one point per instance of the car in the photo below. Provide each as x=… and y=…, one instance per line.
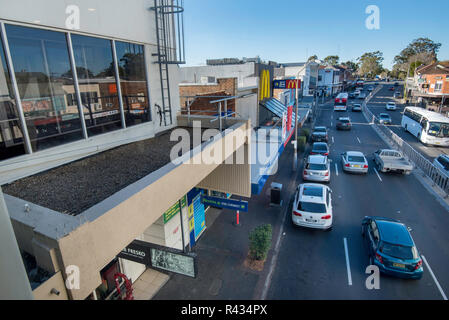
x=391, y=89
x=320, y=148
x=312, y=207
x=384, y=118
x=387, y=160
x=356, y=107
x=370, y=88
x=397, y=95
x=317, y=168
x=354, y=161
x=396, y=84
x=352, y=95
x=442, y=162
x=390, y=106
x=357, y=92
x=391, y=248
x=362, y=95
x=344, y=123
x=319, y=134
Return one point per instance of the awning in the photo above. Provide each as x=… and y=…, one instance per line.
x=278, y=108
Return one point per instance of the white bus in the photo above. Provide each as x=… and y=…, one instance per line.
x=341, y=102
x=431, y=128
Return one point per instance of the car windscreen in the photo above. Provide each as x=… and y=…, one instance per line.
x=400, y=252
x=356, y=159
x=384, y=116
x=344, y=121
x=319, y=147
x=319, y=130
x=311, y=207
x=316, y=166
x=438, y=129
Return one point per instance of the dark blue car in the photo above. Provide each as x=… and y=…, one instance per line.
x=391, y=247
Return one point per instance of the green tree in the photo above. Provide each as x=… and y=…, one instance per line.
x=370, y=64
x=331, y=60
x=312, y=58
x=351, y=65
x=418, y=46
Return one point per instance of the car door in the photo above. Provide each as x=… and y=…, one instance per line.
x=373, y=237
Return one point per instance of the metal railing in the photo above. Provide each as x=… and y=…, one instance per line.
x=438, y=176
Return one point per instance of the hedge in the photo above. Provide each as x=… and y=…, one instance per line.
x=260, y=242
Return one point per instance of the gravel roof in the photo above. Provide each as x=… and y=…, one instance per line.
x=77, y=186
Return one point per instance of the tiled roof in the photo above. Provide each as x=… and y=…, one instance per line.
x=441, y=67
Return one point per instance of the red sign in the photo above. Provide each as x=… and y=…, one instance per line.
x=292, y=84
x=289, y=118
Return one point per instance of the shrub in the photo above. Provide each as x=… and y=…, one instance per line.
x=302, y=140
x=260, y=242
x=306, y=133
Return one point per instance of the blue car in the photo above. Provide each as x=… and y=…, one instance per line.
x=391, y=248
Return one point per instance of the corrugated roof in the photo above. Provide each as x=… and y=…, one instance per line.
x=276, y=107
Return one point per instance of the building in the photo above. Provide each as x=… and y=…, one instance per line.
x=92, y=182
x=328, y=80
x=431, y=85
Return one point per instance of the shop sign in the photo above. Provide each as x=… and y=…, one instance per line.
x=286, y=84
x=174, y=210
x=137, y=251
x=225, y=203
x=264, y=86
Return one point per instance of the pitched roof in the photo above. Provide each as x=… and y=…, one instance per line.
x=441, y=67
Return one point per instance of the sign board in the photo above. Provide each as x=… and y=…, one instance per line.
x=161, y=258
x=174, y=210
x=225, y=203
x=284, y=125
x=286, y=84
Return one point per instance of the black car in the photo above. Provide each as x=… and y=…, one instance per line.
x=319, y=134
x=344, y=124
x=320, y=148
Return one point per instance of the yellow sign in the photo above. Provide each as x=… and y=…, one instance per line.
x=264, y=87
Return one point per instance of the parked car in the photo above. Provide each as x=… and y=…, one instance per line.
x=344, y=123
x=354, y=161
x=390, y=106
x=317, y=168
x=392, y=161
x=384, y=118
x=319, y=134
x=356, y=107
x=312, y=206
x=442, y=162
x=320, y=148
x=391, y=247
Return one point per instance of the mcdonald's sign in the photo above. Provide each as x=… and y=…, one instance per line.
x=286, y=84
x=264, y=87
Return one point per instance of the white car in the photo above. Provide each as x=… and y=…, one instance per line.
x=354, y=161
x=391, y=106
x=317, y=169
x=312, y=207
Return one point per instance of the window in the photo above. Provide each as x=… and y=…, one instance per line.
x=438, y=86
x=97, y=82
x=440, y=130
x=316, y=166
x=133, y=82
x=311, y=207
x=356, y=159
x=443, y=162
x=44, y=77
x=11, y=136
x=400, y=252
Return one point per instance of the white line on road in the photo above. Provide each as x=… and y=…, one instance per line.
x=348, y=267
x=378, y=175
x=333, y=141
x=434, y=278
x=336, y=169
x=359, y=140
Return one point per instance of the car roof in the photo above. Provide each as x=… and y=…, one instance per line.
x=394, y=233
x=320, y=143
x=320, y=127
x=391, y=102
x=314, y=193
x=317, y=159
x=344, y=118
x=355, y=153
x=384, y=115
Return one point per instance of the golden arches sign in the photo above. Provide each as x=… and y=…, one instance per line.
x=264, y=87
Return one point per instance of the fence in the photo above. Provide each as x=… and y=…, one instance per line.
x=438, y=177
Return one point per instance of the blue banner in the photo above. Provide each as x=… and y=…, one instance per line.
x=225, y=203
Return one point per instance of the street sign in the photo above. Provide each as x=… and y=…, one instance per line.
x=286, y=84
x=225, y=203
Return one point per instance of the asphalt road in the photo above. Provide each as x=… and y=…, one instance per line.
x=377, y=106
x=314, y=264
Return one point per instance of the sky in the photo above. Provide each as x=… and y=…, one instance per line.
x=293, y=30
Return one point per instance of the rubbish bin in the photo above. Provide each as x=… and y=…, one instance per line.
x=276, y=189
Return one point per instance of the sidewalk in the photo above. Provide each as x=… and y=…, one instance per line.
x=223, y=248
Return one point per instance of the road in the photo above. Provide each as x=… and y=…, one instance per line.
x=317, y=265
x=377, y=106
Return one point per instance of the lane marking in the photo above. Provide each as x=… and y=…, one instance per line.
x=348, y=267
x=333, y=141
x=336, y=169
x=359, y=140
x=434, y=278
x=378, y=175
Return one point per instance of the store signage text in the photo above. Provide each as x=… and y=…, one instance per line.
x=225, y=203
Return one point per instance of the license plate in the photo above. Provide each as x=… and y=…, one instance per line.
x=356, y=166
x=399, y=265
x=310, y=220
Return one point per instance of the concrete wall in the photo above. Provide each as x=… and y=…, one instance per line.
x=43, y=292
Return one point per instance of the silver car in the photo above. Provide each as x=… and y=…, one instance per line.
x=317, y=168
x=354, y=161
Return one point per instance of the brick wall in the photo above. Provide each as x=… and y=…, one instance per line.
x=434, y=78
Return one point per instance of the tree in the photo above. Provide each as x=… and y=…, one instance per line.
x=331, y=60
x=370, y=64
x=418, y=46
x=312, y=58
x=351, y=65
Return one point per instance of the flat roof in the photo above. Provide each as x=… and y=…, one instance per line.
x=75, y=187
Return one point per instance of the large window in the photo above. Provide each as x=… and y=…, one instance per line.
x=133, y=82
x=44, y=78
x=11, y=137
x=97, y=82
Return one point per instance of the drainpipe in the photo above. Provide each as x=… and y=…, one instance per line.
x=13, y=276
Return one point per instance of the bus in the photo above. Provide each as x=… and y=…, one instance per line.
x=341, y=102
x=431, y=128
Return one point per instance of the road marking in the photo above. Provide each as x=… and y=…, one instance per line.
x=336, y=169
x=359, y=140
x=333, y=141
x=332, y=124
x=348, y=267
x=378, y=175
x=434, y=278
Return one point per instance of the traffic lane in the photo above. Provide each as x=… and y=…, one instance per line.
x=368, y=195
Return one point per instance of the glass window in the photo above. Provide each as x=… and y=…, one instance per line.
x=315, y=166
x=356, y=159
x=398, y=251
x=44, y=78
x=11, y=136
x=440, y=130
x=97, y=82
x=133, y=82
x=311, y=207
